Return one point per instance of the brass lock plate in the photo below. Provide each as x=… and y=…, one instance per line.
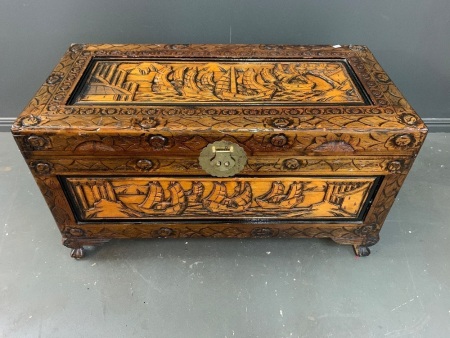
x=222, y=159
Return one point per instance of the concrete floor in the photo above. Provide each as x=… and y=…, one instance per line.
x=229, y=288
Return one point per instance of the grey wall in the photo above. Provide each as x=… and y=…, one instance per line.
x=410, y=38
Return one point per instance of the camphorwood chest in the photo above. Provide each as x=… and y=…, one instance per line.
x=144, y=141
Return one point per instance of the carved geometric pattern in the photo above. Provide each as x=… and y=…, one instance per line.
x=385, y=199
x=56, y=201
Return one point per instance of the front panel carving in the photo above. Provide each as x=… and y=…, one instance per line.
x=116, y=198
x=195, y=82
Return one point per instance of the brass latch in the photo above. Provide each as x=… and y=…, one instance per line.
x=222, y=159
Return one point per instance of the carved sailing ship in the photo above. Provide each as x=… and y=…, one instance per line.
x=232, y=87
x=161, y=82
x=195, y=194
x=291, y=79
x=219, y=201
x=192, y=86
x=206, y=80
x=156, y=201
x=276, y=198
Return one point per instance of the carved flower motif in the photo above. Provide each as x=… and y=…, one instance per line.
x=403, y=141
x=279, y=140
x=409, y=119
x=281, y=122
x=127, y=111
x=165, y=232
x=53, y=79
x=395, y=167
x=30, y=121
x=148, y=122
x=75, y=48
x=292, y=164
x=37, y=142
x=365, y=230
x=382, y=77
x=158, y=141
x=42, y=167
x=75, y=232
x=108, y=111
x=144, y=164
x=262, y=232
x=335, y=143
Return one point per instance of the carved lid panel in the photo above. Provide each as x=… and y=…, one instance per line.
x=172, y=98
x=153, y=82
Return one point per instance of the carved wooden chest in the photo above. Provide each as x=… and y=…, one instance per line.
x=144, y=141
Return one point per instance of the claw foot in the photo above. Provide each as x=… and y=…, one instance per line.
x=361, y=250
x=76, y=244
x=77, y=253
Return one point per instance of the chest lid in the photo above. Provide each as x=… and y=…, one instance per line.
x=177, y=99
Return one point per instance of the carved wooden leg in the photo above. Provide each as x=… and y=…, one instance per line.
x=370, y=236
x=361, y=250
x=77, y=251
x=76, y=244
x=365, y=240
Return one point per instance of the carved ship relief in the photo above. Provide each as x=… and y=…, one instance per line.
x=219, y=201
x=200, y=82
x=140, y=198
x=276, y=198
x=241, y=87
x=156, y=201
